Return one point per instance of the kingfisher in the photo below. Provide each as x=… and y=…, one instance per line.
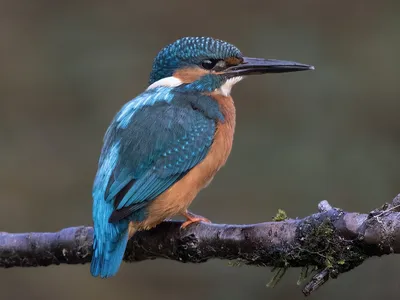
x=164, y=146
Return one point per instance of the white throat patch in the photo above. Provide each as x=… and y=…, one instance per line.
x=167, y=81
x=226, y=88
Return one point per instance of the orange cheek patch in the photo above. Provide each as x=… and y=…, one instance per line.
x=233, y=61
x=188, y=75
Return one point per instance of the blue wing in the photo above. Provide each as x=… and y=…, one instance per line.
x=161, y=134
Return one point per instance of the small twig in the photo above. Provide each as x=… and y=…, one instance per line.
x=393, y=208
x=324, y=206
x=396, y=202
x=316, y=281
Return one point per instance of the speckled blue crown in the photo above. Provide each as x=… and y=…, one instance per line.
x=189, y=51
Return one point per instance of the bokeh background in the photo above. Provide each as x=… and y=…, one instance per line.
x=68, y=66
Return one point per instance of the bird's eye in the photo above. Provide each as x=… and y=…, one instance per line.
x=208, y=64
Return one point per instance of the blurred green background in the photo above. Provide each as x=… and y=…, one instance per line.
x=68, y=66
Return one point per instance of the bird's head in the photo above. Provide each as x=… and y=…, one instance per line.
x=208, y=65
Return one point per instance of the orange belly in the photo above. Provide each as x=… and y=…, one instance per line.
x=178, y=197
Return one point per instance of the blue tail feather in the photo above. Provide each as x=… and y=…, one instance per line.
x=110, y=239
x=108, y=249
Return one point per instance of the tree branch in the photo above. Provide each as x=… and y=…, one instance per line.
x=330, y=242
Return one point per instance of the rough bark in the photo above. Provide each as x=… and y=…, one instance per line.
x=324, y=244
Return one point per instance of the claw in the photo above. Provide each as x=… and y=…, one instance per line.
x=192, y=218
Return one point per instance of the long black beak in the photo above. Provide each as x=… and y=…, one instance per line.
x=253, y=66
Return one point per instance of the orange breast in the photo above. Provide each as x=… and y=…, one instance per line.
x=178, y=197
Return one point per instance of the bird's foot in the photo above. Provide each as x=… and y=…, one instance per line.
x=192, y=218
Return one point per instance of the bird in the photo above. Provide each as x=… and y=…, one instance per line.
x=165, y=145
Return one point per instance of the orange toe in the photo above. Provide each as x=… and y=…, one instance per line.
x=192, y=218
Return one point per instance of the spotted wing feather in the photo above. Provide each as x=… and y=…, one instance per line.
x=158, y=146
